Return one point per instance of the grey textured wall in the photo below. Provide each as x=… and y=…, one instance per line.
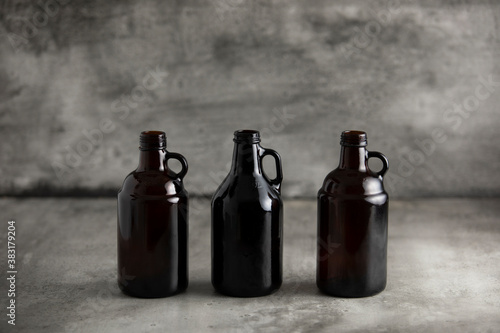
x=421, y=77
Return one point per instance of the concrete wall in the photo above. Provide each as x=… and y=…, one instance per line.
x=410, y=73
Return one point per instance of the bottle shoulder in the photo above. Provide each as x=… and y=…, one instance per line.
x=152, y=183
x=246, y=188
x=352, y=182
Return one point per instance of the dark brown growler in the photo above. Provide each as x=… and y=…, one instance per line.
x=352, y=223
x=247, y=223
x=153, y=223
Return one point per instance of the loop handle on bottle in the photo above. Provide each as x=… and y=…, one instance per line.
x=276, y=182
x=183, y=162
x=385, y=162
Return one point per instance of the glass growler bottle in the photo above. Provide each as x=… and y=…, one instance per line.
x=153, y=223
x=247, y=223
x=352, y=223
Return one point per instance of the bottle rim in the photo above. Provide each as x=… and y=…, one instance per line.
x=152, y=140
x=246, y=135
x=353, y=138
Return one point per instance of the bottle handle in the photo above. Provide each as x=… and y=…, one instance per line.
x=385, y=162
x=276, y=182
x=182, y=160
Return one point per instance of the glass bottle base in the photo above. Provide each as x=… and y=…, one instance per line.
x=145, y=290
x=245, y=293
x=349, y=291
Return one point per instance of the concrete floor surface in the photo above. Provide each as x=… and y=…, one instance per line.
x=443, y=274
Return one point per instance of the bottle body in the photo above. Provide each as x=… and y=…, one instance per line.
x=247, y=227
x=352, y=244
x=153, y=229
x=352, y=227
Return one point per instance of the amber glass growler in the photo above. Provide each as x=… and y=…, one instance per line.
x=247, y=219
x=153, y=223
x=352, y=223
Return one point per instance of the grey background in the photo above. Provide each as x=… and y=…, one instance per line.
x=394, y=69
x=299, y=71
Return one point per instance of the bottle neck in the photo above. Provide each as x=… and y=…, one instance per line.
x=152, y=160
x=353, y=158
x=153, y=147
x=246, y=158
